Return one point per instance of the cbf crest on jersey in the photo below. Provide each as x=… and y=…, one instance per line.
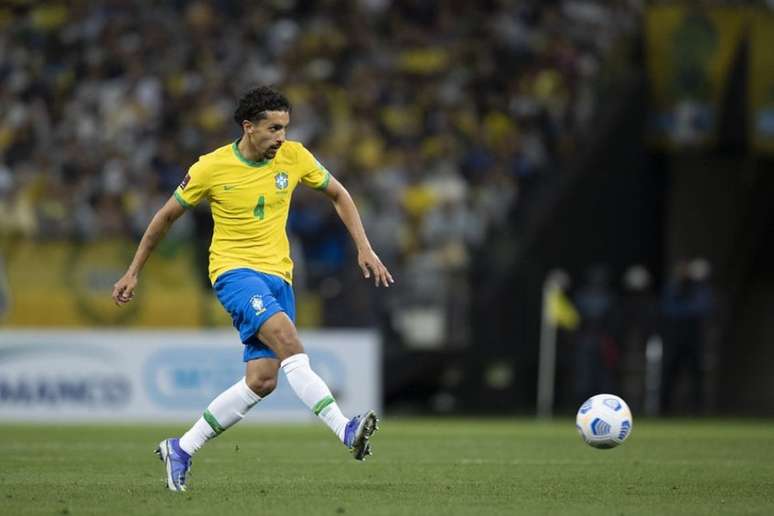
x=281, y=180
x=257, y=303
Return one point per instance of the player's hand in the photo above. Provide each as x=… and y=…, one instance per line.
x=370, y=264
x=123, y=290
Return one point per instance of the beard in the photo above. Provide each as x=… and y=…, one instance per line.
x=271, y=152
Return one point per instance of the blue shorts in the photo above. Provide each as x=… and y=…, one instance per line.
x=251, y=297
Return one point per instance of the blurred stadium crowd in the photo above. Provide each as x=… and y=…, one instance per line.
x=438, y=116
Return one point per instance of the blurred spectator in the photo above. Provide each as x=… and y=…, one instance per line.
x=596, y=350
x=639, y=314
x=638, y=322
x=687, y=305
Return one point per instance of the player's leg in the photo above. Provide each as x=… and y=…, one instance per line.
x=280, y=335
x=237, y=291
x=231, y=406
x=261, y=375
x=223, y=412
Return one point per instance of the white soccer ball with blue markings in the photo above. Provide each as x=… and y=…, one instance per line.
x=604, y=421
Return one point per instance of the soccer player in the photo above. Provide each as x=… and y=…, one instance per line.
x=248, y=184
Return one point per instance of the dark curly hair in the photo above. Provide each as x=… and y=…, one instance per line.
x=254, y=104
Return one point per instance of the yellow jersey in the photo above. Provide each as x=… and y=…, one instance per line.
x=250, y=201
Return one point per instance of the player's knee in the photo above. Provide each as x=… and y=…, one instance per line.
x=262, y=385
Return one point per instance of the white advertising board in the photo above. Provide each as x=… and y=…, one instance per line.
x=150, y=376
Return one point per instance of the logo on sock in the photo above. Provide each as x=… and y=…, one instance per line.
x=257, y=303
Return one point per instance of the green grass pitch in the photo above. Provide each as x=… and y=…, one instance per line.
x=419, y=467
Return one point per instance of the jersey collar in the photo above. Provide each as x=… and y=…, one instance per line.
x=235, y=147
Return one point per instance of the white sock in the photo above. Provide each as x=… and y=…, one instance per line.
x=225, y=411
x=311, y=389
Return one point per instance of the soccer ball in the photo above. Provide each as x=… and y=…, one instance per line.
x=604, y=421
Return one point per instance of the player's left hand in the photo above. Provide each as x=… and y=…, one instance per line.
x=371, y=264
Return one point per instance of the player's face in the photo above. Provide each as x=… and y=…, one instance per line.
x=268, y=134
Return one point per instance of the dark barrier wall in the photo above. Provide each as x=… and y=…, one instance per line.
x=721, y=207
x=611, y=214
x=629, y=205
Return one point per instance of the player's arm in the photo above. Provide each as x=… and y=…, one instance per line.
x=366, y=257
x=123, y=290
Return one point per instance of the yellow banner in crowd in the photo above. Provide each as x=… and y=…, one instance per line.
x=65, y=284
x=68, y=284
x=761, y=82
x=689, y=54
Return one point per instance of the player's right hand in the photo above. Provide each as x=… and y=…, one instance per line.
x=123, y=290
x=369, y=263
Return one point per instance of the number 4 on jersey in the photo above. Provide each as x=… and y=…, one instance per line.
x=258, y=210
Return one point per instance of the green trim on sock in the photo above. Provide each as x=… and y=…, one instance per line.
x=320, y=405
x=213, y=422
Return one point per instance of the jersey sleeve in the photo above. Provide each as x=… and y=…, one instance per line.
x=194, y=186
x=313, y=173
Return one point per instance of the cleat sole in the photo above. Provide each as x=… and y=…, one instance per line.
x=363, y=448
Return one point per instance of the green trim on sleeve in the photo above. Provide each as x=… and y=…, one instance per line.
x=325, y=182
x=182, y=201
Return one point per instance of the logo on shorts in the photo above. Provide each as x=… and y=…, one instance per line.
x=281, y=180
x=257, y=303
